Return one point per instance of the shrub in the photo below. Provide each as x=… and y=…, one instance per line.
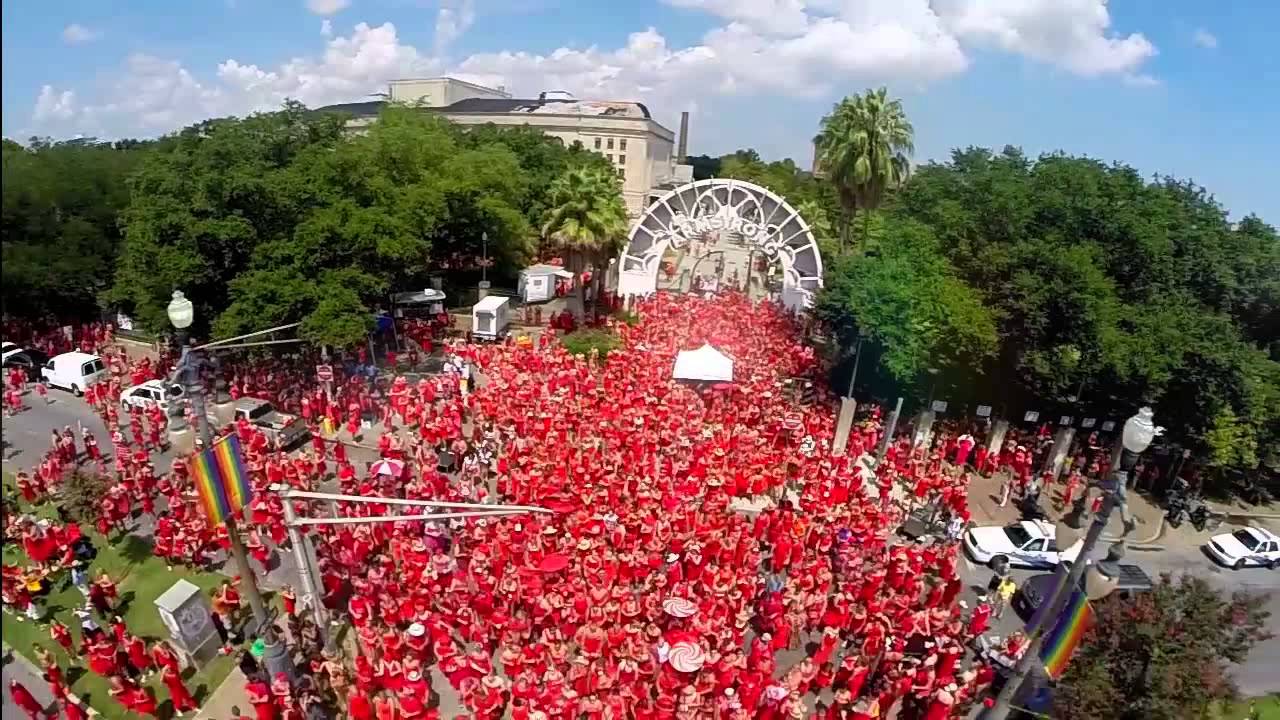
x=81, y=495
x=582, y=342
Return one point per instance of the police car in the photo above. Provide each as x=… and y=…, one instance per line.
x=1028, y=544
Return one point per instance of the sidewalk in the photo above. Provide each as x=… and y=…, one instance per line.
x=984, y=504
x=17, y=667
x=231, y=692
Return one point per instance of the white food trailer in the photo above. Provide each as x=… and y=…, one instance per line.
x=538, y=282
x=490, y=317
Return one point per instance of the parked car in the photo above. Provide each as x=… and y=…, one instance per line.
x=30, y=360
x=1037, y=589
x=1028, y=544
x=73, y=371
x=151, y=392
x=1246, y=547
x=265, y=417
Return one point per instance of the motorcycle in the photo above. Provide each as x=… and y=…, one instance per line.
x=1182, y=508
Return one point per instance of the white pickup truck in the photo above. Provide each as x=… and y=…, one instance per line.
x=289, y=428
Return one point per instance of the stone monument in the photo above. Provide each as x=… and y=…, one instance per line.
x=186, y=613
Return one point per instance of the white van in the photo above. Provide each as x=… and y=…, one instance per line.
x=74, y=371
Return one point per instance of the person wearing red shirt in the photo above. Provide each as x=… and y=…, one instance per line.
x=259, y=694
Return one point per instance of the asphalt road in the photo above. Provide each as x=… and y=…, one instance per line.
x=1257, y=676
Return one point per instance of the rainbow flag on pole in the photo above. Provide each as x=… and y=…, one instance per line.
x=1076, y=618
x=221, y=479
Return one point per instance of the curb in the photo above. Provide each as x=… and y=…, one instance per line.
x=1159, y=531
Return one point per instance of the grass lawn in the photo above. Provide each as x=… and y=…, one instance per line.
x=141, y=578
x=1267, y=708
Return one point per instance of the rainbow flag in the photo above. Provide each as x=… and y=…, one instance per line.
x=221, y=479
x=1075, y=619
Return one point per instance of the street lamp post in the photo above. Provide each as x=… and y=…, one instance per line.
x=857, y=359
x=182, y=313
x=1137, y=436
x=933, y=385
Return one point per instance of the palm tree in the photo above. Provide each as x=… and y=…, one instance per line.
x=587, y=220
x=864, y=146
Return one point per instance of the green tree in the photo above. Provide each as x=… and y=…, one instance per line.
x=908, y=301
x=81, y=494
x=1163, y=655
x=202, y=206
x=61, y=202
x=864, y=146
x=1132, y=291
x=586, y=220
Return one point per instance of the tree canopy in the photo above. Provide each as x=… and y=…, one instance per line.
x=1163, y=655
x=286, y=216
x=60, y=231
x=1112, y=288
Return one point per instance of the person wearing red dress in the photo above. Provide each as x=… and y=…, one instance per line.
x=25, y=701
x=183, y=700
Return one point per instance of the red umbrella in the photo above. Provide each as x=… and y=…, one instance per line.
x=554, y=563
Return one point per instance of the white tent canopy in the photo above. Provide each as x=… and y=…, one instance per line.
x=706, y=363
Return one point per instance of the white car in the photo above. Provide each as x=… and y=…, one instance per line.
x=1251, y=546
x=1028, y=544
x=145, y=395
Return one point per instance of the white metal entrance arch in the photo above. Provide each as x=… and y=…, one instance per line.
x=728, y=218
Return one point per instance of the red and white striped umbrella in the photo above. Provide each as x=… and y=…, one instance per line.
x=679, y=607
x=686, y=657
x=387, y=466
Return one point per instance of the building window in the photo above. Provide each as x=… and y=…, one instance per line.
x=622, y=144
x=622, y=173
x=610, y=156
x=597, y=143
x=622, y=159
x=609, y=144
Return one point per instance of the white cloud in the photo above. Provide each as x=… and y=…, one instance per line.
x=782, y=48
x=77, y=34
x=452, y=20
x=327, y=7
x=1205, y=39
x=326, y=27
x=1140, y=80
x=53, y=105
x=782, y=17
x=1071, y=34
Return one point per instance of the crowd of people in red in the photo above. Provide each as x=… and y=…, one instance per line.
x=649, y=592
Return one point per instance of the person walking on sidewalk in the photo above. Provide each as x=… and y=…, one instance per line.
x=1006, y=489
x=23, y=698
x=1004, y=593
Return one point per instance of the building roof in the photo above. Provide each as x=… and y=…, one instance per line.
x=549, y=106
x=507, y=106
x=491, y=303
x=359, y=109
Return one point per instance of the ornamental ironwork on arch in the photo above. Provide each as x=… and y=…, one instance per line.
x=724, y=218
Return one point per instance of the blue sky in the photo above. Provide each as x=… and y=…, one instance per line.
x=1182, y=87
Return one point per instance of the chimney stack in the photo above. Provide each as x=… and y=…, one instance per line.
x=682, y=150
